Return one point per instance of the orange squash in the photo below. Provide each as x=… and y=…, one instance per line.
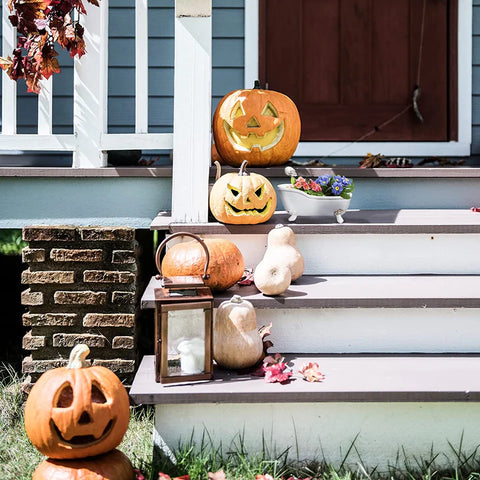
x=225, y=268
x=113, y=465
x=77, y=411
x=261, y=126
x=243, y=198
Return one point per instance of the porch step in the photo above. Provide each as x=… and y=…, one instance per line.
x=386, y=406
x=352, y=314
x=349, y=378
x=369, y=242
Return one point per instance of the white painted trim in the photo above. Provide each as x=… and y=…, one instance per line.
x=45, y=103
x=90, y=91
x=141, y=66
x=192, y=118
x=139, y=141
x=63, y=143
x=251, y=43
x=344, y=149
x=9, y=86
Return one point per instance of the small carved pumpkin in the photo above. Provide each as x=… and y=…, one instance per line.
x=225, y=268
x=77, y=411
x=243, y=198
x=113, y=465
x=261, y=126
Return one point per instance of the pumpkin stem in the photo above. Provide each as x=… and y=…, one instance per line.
x=77, y=356
x=219, y=169
x=236, y=299
x=242, y=172
x=257, y=85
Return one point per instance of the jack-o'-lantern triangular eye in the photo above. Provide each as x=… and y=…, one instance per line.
x=238, y=110
x=65, y=397
x=234, y=191
x=269, y=110
x=97, y=395
x=259, y=191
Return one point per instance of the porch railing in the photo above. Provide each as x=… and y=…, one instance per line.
x=90, y=140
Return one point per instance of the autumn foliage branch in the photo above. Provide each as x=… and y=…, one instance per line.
x=40, y=24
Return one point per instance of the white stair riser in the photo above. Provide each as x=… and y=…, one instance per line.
x=376, y=330
x=325, y=431
x=332, y=254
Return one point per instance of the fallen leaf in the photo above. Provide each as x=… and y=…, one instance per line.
x=220, y=475
x=311, y=372
x=276, y=373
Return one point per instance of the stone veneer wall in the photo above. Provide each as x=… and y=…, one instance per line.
x=82, y=289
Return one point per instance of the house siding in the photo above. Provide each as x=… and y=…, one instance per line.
x=228, y=68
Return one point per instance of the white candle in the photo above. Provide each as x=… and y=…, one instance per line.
x=192, y=355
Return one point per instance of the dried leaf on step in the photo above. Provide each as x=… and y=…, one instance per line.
x=277, y=373
x=265, y=330
x=311, y=372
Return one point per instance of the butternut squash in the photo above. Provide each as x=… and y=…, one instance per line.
x=236, y=341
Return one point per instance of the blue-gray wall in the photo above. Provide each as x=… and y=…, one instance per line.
x=228, y=55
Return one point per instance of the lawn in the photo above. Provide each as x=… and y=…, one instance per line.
x=18, y=458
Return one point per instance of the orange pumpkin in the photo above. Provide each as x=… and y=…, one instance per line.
x=242, y=198
x=113, y=465
x=77, y=411
x=225, y=268
x=261, y=126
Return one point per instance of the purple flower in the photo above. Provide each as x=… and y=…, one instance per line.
x=346, y=181
x=337, y=179
x=323, y=180
x=337, y=188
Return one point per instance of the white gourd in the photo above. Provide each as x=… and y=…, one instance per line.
x=272, y=278
x=282, y=249
x=236, y=340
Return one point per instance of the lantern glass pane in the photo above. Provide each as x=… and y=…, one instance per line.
x=186, y=341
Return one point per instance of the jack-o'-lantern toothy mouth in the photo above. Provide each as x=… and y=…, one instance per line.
x=252, y=140
x=83, y=440
x=248, y=211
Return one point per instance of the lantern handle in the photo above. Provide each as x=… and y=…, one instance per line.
x=205, y=275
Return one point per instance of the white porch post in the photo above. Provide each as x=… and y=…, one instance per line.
x=192, y=110
x=90, y=87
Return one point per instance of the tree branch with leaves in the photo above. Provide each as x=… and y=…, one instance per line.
x=40, y=24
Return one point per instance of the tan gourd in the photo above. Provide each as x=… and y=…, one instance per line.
x=236, y=341
x=282, y=249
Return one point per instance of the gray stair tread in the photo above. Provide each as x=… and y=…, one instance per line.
x=349, y=378
x=340, y=291
x=356, y=221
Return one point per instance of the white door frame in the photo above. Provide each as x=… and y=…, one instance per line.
x=345, y=149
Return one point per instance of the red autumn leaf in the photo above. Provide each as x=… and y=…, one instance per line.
x=311, y=372
x=6, y=64
x=164, y=476
x=220, y=475
x=277, y=373
x=138, y=474
x=264, y=477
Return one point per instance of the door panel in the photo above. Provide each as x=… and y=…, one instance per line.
x=352, y=65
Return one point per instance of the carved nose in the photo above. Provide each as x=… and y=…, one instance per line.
x=253, y=123
x=84, y=419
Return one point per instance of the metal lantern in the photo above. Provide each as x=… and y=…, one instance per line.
x=183, y=324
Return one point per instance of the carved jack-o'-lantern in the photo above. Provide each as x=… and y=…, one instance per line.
x=242, y=198
x=77, y=411
x=261, y=126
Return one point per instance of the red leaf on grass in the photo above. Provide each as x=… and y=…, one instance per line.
x=264, y=477
x=220, y=475
x=138, y=474
x=311, y=372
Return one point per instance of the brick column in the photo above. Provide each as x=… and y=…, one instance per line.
x=82, y=289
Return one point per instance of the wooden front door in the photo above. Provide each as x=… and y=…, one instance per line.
x=352, y=66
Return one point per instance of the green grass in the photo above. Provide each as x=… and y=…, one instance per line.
x=11, y=242
x=18, y=458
